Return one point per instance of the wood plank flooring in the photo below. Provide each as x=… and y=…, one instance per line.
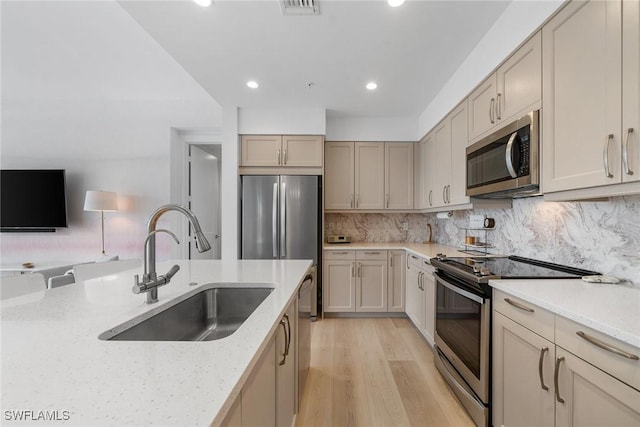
x=375, y=372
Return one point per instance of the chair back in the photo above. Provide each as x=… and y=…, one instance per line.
x=16, y=286
x=84, y=272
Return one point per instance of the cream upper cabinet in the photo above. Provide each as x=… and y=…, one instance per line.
x=513, y=90
x=429, y=165
x=581, y=112
x=282, y=150
x=631, y=91
x=369, y=175
x=261, y=150
x=419, y=198
x=398, y=172
x=302, y=150
x=523, y=363
x=339, y=175
x=450, y=143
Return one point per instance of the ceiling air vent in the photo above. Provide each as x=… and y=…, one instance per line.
x=299, y=7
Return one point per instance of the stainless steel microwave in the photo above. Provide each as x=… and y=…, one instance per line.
x=506, y=163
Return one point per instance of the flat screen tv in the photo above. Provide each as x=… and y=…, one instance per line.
x=32, y=200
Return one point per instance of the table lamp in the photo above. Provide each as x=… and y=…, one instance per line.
x=101, y=201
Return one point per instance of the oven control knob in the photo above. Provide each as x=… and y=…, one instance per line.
x=440, y=257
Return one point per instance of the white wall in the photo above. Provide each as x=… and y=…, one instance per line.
x=371, y=128
x=517, y=22
x=87, y=90
x=286, y=121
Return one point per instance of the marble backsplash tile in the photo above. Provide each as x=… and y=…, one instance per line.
x=600, y=236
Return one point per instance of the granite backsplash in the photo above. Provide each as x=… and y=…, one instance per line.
x=603, y=236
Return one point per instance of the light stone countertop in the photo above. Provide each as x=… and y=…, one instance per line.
x=611, y=309
x=52, y=359
x=426, y=250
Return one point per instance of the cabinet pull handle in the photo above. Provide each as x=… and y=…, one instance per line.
x=340, y=253
x=284, y=354
x=540, y=362
x=498, y=115
x=491, y=104
x=353, y=270
x=559, y=360
x=286, y=317
x=359, y=270
x=430, y=197
x=605, y=156
x=603, y=345
x=278, y=157
x=407, y=261
x=372, y=253
x=357, y=200
x=444, y=194
x=421, y=281
x=285, y=156
x=518, y=305
x=391, y=261
x=351, y=201
x=448, y=193
x=387, y=201
x=625, y=153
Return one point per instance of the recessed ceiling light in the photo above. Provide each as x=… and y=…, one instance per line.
x=203, y=3
x=253, y=84
x=395, y=3
x=372, y=86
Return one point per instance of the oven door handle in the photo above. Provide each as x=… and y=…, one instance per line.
x=459, y=291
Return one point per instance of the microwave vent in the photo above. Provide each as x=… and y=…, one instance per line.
x=299, y=7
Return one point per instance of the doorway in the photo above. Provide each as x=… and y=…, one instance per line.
x=203, y=195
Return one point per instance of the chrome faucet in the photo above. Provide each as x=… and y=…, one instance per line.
x=150, y=280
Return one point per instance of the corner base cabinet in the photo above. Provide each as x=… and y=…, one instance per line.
x=551, y=371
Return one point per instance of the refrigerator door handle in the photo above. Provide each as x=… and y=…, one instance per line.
x=283, y=221
x=274, y=220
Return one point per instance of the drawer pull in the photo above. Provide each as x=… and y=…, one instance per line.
x=543, y=350
x=559, y=360
x=605, y=346
x=372, y=253
x=340, y=253
x=518, y=305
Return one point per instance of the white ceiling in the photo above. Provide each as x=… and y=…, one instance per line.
x=410, y=51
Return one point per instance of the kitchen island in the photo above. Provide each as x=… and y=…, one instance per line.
x=54, y=365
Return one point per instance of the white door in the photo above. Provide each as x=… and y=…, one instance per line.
x=204, y=196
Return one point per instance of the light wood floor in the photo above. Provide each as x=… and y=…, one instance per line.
x=375, y=372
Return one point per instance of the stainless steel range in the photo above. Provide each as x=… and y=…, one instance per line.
x=463, y=320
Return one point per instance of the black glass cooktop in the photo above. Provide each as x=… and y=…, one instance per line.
x=509, y=268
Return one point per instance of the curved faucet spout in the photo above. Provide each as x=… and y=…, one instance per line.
x=202, y=244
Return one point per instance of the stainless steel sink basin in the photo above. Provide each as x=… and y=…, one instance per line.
x=208, y=313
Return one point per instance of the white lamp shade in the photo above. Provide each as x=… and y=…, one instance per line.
x=100, y=201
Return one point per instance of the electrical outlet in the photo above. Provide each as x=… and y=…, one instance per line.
x=405, y=226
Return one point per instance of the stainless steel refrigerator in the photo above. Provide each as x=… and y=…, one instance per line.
x=281, y=218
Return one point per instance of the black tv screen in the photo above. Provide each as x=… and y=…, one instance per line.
x=32, y=200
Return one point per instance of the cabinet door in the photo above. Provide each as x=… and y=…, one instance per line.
x=591, y=397
x=371, y=286
x=259, y=392
x=286, y=347
x=429, y=163
x=338, y=286
x=302, y=150
x=581, y=108
x=419, y=199
x=482, y=103
x=369, y=170
x=411, y=292
x=396, y=282
x=339, y=175
x=442, y=137
x=459, y=141
x=234, y=417
x=631, y=91
x=429, y=291
x=398, y=173
x=519, y=395
x=261, y=150
x=519, y=81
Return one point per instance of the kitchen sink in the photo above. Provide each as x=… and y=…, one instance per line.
x=211, y=312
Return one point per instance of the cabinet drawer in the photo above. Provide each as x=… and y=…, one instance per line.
x=528, y=315
x=415, y=261
x=340, y=255
x=372, y=254
x=617, y=365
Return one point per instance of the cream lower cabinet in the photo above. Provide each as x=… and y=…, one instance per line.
x=414, y=291
x=396, y=282
x=548, y=370
x=355, y=281
x=429, y=291
x=268, y=398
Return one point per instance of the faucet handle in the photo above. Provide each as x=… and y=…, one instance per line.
x=172, y=272
x=137, y=286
